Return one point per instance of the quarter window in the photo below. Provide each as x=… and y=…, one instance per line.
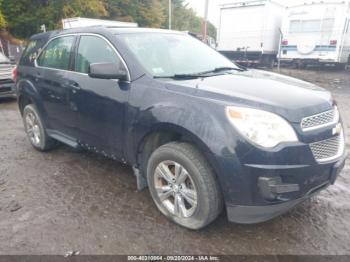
x=57, y=53
x=93, y=49
x=31, y=52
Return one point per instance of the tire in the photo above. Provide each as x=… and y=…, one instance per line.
x=35, y=130
x=340, y=66
x=200, y=185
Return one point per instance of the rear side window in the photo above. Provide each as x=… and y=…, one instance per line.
x=93, y=49
x=57, y=53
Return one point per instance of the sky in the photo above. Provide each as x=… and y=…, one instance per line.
x=214, y=13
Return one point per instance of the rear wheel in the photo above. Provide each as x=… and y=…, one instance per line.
x=340, y=66
x=183, y=186
x=35, y=130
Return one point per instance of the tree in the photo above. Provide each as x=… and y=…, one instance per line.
x=3, y=23
x=147, y=13
x=23, y=18
x=185, y=19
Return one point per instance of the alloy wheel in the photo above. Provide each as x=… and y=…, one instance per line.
x=33, y=128
x=175, y=189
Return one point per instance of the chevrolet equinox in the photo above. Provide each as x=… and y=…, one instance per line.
x=202, y=133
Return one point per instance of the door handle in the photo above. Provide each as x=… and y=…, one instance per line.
x=75, y=86
x=37, y=76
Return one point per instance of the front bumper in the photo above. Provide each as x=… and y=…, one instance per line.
x=7, y=89
x=249, y=214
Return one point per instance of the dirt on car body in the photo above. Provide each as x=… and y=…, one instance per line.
x=73, y=200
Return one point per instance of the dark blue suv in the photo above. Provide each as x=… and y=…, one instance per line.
x=199, y=131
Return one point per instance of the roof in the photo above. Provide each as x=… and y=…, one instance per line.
x=75, y=22
x=100, y=29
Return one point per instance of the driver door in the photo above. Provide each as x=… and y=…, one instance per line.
x=100, y=103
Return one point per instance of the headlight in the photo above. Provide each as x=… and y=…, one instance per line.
x=261, y=127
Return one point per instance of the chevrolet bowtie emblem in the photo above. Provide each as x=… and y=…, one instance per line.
x=337, y=129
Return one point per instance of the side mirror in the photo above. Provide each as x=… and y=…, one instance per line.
x=107, y=71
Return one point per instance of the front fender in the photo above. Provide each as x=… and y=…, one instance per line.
x=200, y=121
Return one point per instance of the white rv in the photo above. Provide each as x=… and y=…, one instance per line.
x=249, y=31
x=317, y=33
x=84, y=22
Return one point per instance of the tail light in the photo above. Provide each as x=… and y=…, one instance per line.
x=284, y=42
x=333, y=42
x=14, y=74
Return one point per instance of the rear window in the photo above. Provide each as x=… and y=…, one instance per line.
x=311, y=26
x=31, y=52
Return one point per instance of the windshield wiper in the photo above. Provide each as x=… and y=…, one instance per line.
x=202, y=74
x=180, y=76
x=219, y=69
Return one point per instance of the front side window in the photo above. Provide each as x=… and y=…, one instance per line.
x=57, y=53
x=93, y=49
x=164, y=54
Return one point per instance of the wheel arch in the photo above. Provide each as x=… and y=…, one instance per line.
x=23, y=101
x=164, y=133
x=28, y=94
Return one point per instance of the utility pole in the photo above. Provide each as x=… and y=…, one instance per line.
x=205, y=26
x=169, y=14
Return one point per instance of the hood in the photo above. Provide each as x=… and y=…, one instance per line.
x=286, y=96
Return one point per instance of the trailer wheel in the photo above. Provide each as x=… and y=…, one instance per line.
x=340, y=66
x=268, y=61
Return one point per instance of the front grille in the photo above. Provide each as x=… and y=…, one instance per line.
x=320, y=120
x=328, y=149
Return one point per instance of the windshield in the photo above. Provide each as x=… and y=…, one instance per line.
x=164, y=54
x=3, y=58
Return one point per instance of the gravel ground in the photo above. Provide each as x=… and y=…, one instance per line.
x=51, y=203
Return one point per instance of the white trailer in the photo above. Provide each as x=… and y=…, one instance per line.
x=317, y=33
x=84, y=22
x=249, y=31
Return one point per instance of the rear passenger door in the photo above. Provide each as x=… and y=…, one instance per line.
x=100, y=103
x=50, y=78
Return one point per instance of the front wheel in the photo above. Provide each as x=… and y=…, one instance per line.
x=183, y=186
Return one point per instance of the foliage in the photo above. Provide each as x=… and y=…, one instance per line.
x=2, y=21
x=24, y=17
